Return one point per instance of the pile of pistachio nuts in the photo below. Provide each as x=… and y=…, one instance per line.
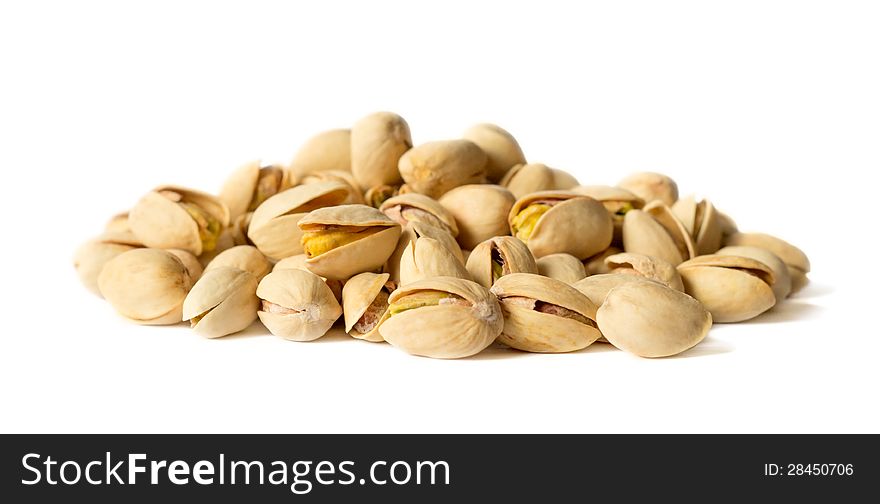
x=440, y=249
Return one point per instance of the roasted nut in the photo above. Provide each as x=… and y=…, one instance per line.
x=297, y=305
x=652, y=268
x=299, y=262
x=563, y=267
x=250, y=185
x=377, y=195
x=434, y=168
x=91, y=256
x=617, y=201
x=793, y=257
x=655, y=231
x=525, y=179
x=245, y=258
x=782, y=285
x=557, y=221
x=542, y=314
x=328, y=150
x=732, y=288
x=442, y=317
x=651, y=186
x=595, y=265
x=702, y=222
x=501, y=148
x=415, y=207
x=497, y=257
x=174, y=217
x=365, y=304
x=480, y=211
x=377, y=143
x=596, y=287
x=428, y=258
x=190, y=262
x=410, y=233
x=224, y=301
x=343, y=177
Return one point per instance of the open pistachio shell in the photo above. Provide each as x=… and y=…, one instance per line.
x=782, y=285
x=563, y=267
x=637, y=317
x=732, y=288
x=797, y=262
x=365, y=305
x=377, y=143
x=410, y=233
x=90, y=258
x=434, y=168
x=297, y=305
x=595, y=265
x=443, y=318
x=376, y=195
x=501, y=148
x=480, y=212
x=702, y=223
x=543, y=314
x=415, y=207
x=650, y=267
x=273, y=228
x=224, y=301
x=523, y=179
x=655, y=231
x=651, y=186
x=499, y=256
x=250, y=185
x=343, y=177
x=146, y=286
x=617, y=201
x=427, y=258
x=245, y=258
x=328, y=150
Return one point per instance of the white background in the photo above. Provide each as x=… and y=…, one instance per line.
x=772, y=109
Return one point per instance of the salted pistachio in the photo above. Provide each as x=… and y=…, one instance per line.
x=224, y=301
x=701, y=221
x=252, y=184
x=365, y=304
x=175, y=217
x=415, y=207
x=377, y=195
x=273, y=227
x=651, y=186
x=297, y=305
x=596, y=287
x=656, y=231
x=563, y=267
x=501, y=148
x=499, y=256
x=377, y=143
x=782, y=285
x=238, y=230
x=342, y=241
x=558, y=221
x=243, y=257
x=118, y=224
x=617, y=201
x=523, y=179
x=90, y=258
x=650, y=267
x=427, y=258
x=190, y=262
x=793, y=257
x=410, y=233
x=299, y=262
x=595, y=264
x=146, y=286
x=732, y=288
x=543, y=314
x=344, y=177
x=442, y=317
x=480, y=212
x=434, y=168
x=649, y=319
x=328, y=150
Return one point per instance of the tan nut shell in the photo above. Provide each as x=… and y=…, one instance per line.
x=439, y=215
x=239, y=229
x=651, y=186
x=229, y=296
x=611, y=197
x=596, y=287
x=595, y=265
x=190, y=262
x=245, y=258
x=238, y=190
x=790, y=255
x=118, y=224
x=358, y=294
x=298, y=290
x=480, y=210
x=651, y=320
x=377, y=143
x=146, y=286
x=782, y=285
x=410, y=233
x=534, y=331
x=650, y=267
x=434, y=168
x=427, y=258
x=524, y=179
x=563, y=267
x=655, y=231
x=343, y=177
x=515, y=253
x=732, y=288
x=90, y=258
x=578, y=225
x=501, y=148
x=328, y=150
x=445, y=331
x=702, y=223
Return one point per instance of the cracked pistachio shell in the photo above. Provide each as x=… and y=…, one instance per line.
x=328, y=150
x=461, y=325
x=410, y=233
x=405, y=208
x=595, y=265
x=616, y=200
x=377, y=143
x=159, y=220
x=376, y=195
x=533, y=326
x=239, y=229
x=365, y=254
x=501, y=148
x=574, y=224
x=343, y=177
x=299, y=262
x=651, y=186
x=797, y=262
x=514, y=257
x=434, y=168
x=656, y=231
x=427, y=258
x=118, y=224
x=359, y=295
x=250, y=185
x=146, y=286
x=525, y=179
x=782, y=285
x=224, y=301
x=563, y=267
x=243, y=257
x=732, y=288
x=649, y=319
x=480, y=211
x=652, y=268
x=300, y=305
x=90, y=258
x=273, y=227
x=701, y=221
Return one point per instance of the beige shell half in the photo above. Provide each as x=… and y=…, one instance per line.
x=410, y=233
x=227, y=297
x=782, y=284
x=651, y=186
x=480, y=211
x=434, y=168
x=328, y=150
x=650, y=267
x=355, y=197
x=377, y=143
x=701, y=221
x=427, y=258
x=238, y=190
x=577, y=225
x=502, y=150
x=159, y=222
x=358, y=294
x=190, y=262
x=596, y=287
x=90, y=258
x=316, y=306
x=732, y=288
x=523, y=179
x=441, y=216
x=243, y=257
x=563, y=267
x=514, y=252
x=655, y=231
x=789, y=254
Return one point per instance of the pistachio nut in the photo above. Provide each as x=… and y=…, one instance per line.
x=480, y=212
x=651, y=186
x=617, y=201
x=442, y=317
x=224, y=301
x=91, y=256
x=415, y=207
x=365, y=304
x=501, y=148
x=328, y=150
x=297, y=305
x=343, y=177
x=650, y=267
x=701, y=221
x=239, y=229
x=732, y=288
x=428, y=258
x=377, y=195
x=782, y=285
x=543, y=314
x=243, y=257
x=524, y=179
x=596, y=287
x=558, y=221
x=377, y=143
x=638, y=317
x=656, y=231
x=434, y=168
x=499, y=256
x=728, y=225
x=146, y=286
x=299, y=262
x=225, y=242
x=175, y=217
x=118, y=224
x=273, y=228
x=793, y=257
x=250, y=185
x=595, y=264
x=342, y=241
x=413, y=231
x=563, y=267
x=190, y=262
